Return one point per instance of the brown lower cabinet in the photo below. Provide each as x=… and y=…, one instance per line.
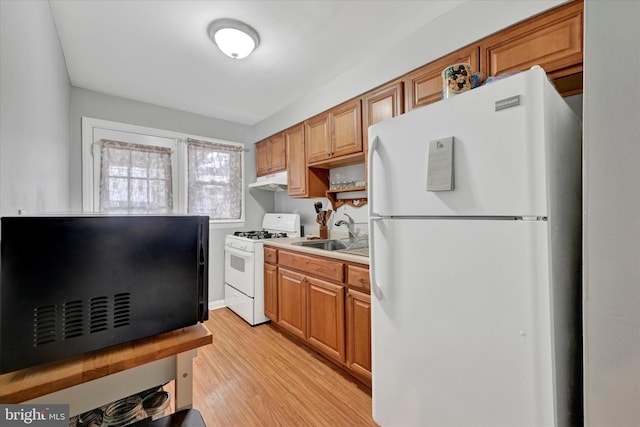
x=292, y=302
x=324, y=302
x=270, y=290
x=359, y=333
x=325, y=317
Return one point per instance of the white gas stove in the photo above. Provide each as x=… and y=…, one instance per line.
x=243, y=265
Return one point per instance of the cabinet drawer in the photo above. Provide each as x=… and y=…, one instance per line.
x=358, y=277
x=319, y=267
x=270, y=255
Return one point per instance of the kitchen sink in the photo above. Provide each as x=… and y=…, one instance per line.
x=358, y=247
x=327, y=245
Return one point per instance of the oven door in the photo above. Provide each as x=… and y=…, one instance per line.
x=239, y=270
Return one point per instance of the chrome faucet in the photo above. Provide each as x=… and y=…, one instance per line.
x=350, y=226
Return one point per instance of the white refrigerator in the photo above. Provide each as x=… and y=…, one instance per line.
x=475, y=250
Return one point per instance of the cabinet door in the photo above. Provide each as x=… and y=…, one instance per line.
x=271, y=291
x=378, y=105
x=359, y=333
x=302, y=180
x=292, y=310
x=424, y=85
x=552, y=40
x=382, y=104
x=318, y=138
x=347, y=129
x=297, y=169
x=271, y=155
x=277, y=153
x=325, y=317
x=263, y=163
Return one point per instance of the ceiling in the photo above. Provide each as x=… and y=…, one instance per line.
x=159, y=52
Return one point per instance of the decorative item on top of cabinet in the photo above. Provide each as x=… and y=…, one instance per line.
x=552, y=40
x=424, y=85
x=334, y=138
x=302, y=180
x=271, y=155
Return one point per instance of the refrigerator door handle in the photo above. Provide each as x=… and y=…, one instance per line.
x=377, y=291
x=373, y=145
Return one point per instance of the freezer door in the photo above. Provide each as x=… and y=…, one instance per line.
x=499, y=162
x=461, y=323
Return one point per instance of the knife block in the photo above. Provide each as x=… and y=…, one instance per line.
x=324, y=232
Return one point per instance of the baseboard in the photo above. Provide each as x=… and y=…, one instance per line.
x=214, y=305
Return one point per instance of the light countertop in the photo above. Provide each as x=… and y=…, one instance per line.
x=288, y=244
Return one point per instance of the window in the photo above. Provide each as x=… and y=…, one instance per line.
x=215, y=179
x=135, y=179
x=135, y=170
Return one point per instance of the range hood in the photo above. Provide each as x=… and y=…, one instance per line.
x=274, y=182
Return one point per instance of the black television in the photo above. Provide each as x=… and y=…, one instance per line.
x=74, y=284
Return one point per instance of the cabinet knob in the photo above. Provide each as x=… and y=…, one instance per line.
x=360, y=279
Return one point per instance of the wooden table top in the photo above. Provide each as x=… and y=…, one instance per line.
x=30, y=383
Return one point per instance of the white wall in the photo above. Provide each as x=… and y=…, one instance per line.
x=34, y=111
x=612, y=213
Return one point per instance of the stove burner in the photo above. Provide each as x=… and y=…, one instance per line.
x=259, y=235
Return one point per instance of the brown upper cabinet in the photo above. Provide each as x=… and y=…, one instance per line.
x=297, y=167
x=271, y=155
x=301, y=180
x=552, y=40
x=334, y=138
x=424, y=85
x=381, y=104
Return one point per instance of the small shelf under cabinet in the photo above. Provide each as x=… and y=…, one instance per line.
x=343, y=197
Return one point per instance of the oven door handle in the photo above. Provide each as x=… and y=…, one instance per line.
x=239, y=252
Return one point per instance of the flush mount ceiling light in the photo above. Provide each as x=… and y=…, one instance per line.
x=234, y=38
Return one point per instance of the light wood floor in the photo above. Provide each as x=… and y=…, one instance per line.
x=255, y=376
